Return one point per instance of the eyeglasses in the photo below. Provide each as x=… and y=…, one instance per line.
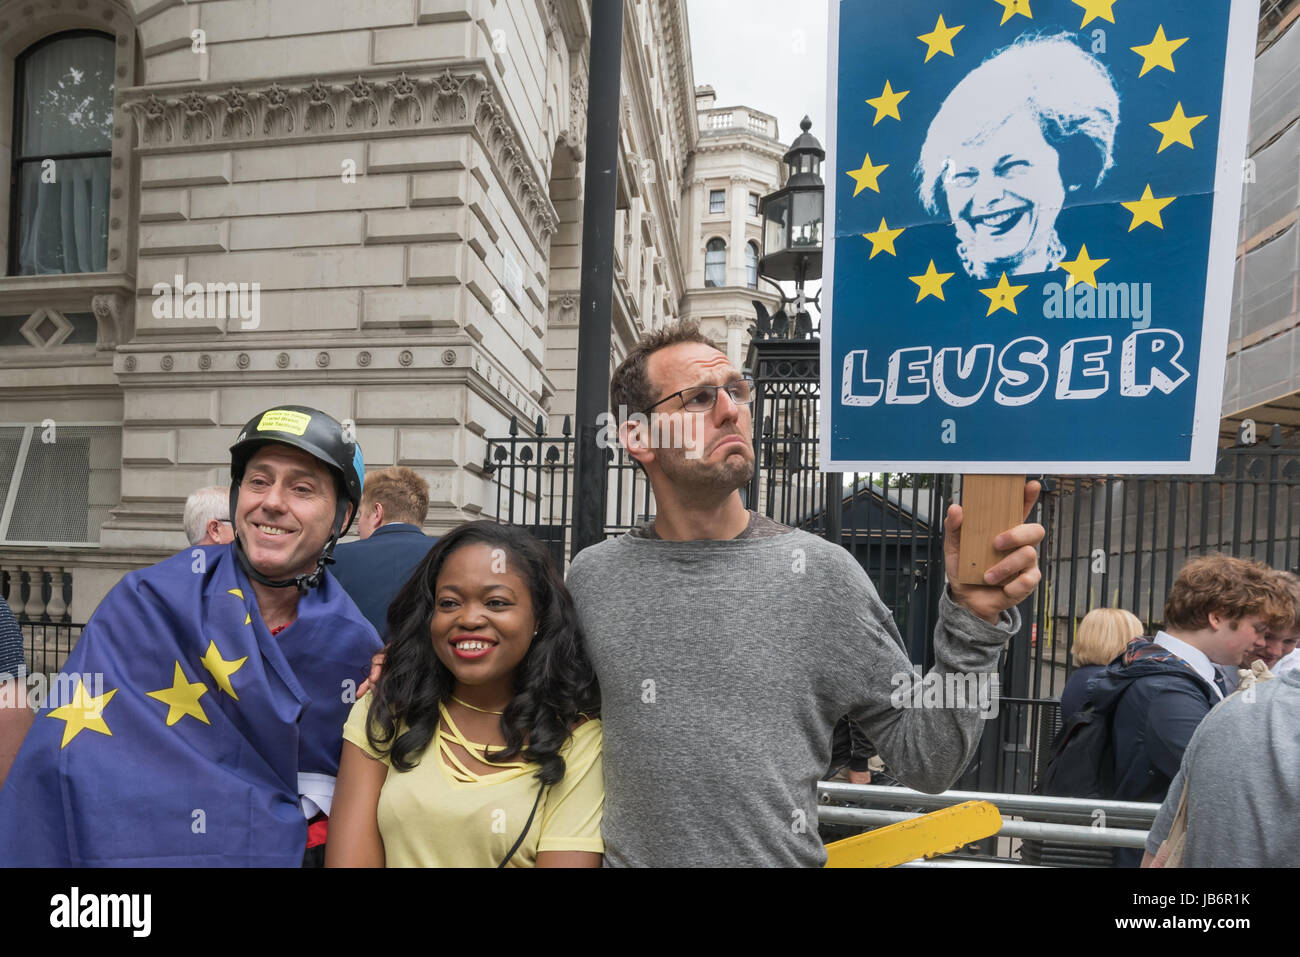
x=702, y=398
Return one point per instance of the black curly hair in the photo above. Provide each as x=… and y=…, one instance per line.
x=554, y=684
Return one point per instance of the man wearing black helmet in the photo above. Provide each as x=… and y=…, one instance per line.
x=199, y=719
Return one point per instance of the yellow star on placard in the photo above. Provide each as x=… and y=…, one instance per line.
x=182, y=698
x=931, y=283
x=1003, y=296
x=868, y=177
x=940, y=39
x=1013, y=7
x=1177, y=129
x=84, y=713
x=1159, y=52
x=220, y=669
x=886, y=103
x=882, y=240
x=1083, y=269
x=1147, y=209
x=1096, y=9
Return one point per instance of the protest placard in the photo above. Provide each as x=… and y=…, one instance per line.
x=1034, y=211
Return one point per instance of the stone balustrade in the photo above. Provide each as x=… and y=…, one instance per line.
x=36, y=592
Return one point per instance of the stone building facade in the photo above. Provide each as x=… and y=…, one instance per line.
x=737, y=162
x=373, y=207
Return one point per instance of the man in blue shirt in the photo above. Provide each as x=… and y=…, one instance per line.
x=394, y=505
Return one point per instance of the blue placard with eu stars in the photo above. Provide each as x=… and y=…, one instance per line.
x=1034, y=208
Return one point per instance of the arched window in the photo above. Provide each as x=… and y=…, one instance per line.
x=63, y=123
x=751, y=265
x=715, y=264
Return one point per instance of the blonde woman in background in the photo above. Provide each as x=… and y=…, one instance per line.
x=1102, y=635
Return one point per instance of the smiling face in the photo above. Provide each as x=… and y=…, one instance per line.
x=285, y=511
x=1004, y=194
x=1271, y=648
x=720, y=456
x=483, y=619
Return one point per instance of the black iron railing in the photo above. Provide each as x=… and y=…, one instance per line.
x=47, y=645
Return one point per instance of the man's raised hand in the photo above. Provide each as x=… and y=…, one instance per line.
x=1011, y=580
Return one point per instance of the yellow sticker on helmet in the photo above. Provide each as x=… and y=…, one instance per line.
x=284, y=420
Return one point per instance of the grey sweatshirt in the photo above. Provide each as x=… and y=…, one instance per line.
x=724, y=666
x=1243, y=768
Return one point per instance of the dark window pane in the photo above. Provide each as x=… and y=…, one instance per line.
x=63, y=225
x=67, y=97
x=715, y=264
x=68, y=485
x=63, y=109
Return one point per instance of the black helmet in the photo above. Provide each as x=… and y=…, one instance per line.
x=320, y=436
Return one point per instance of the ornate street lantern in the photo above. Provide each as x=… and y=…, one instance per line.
x=792, y=216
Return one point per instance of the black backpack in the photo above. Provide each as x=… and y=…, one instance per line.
x=1082, y=764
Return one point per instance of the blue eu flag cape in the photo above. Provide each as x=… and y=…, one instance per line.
x=180, y=729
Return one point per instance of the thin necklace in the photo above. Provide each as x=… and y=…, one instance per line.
x=472, y=708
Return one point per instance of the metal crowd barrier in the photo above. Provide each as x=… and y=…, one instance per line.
x=1068, y=820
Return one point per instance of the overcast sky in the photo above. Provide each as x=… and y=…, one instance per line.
x=768, y=54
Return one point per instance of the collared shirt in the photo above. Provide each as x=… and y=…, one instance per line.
x=1199, y=661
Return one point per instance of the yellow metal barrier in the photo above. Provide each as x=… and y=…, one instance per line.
x=926, y=836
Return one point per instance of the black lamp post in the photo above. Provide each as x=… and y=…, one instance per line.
x=792, y=237
x=784, y=352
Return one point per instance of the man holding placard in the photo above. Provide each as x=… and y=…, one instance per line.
x=718, y=708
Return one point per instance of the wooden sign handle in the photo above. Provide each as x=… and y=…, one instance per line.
x=990, y=505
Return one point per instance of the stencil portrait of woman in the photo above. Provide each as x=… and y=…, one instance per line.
x=1031, y=125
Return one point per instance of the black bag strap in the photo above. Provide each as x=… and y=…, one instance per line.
x=524, y=833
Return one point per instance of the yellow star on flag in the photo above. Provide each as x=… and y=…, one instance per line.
x=1177, y=129
x=1083, y=269
x=1159, y=52
x=940, y=39
x=240, y=595
x=1096, y=10
x=182, y=698
x=886, y=103
x=1003, y=296
x=882, y=240
x=84, y=713
x=931, y=283
x=868, y=177
x=1147, y=209
x=1013, y=7
x=220, y=669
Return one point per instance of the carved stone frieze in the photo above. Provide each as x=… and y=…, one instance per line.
x=367, y=104
x=563, y=308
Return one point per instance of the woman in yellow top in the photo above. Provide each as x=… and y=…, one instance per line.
x=479, y=745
